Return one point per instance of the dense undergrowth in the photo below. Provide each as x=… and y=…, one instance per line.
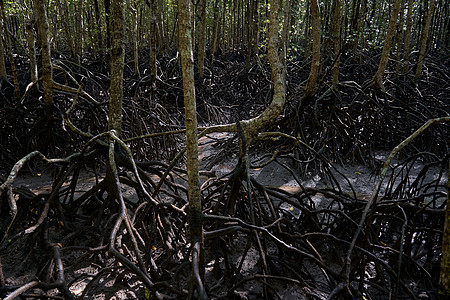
x=260, y=241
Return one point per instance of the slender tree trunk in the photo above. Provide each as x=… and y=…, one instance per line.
x=31, y=48
x=337, y=20
x=117, y=64
x=153, y=37
x=44, y=36
x=286, y=30
x=399, y=39
x=307, y=29
x=68, y=33
x=99, y=38
x=161, y=26
x=194, y=197
x=107, y=4
x=378, y=77
x=424, y=39
x=201, y=37
x=134, y=37
x=79, y=20
x=315, y=62
x=215, y=39
x=3, y=74
x=407, y=38
x=359, y=28
x=9, y=47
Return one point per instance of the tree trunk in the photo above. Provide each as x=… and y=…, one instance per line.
x=407, y=38
x=252, y=26
x=215, y=39
x=44, y=36
x=194, y=197
x=424, y=39
x=315, y=61
x=31, y=49
x=3, y=74
x=378, y=77
x=68, y=33
x=99, y=37
x=79, y=28
x=153, y=36
x=10, y=50
x=252, y=127
x=107, y=4
x=117, y=64
x=201, y=37
x=134, y=38
x=161, y=26
x=399, y=38
x=359, y=29
x=337, y=20
x=286, y=30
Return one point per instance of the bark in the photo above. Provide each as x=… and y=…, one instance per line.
x=398, y=39
x=307, y=29
x=134, y=37
x=107, y=4
x=194, y=197
x=153, y=37
x=4, y=29
x=315, y=62
x=31, y=49
x=44, y=37
x=67, y=30
x=98, y=24
x=201, y=37
x=3, y=74
x=407, y=38
x=359, y=29
x=286, y=29
x=79, y=28
x=215, y=39
x=252, y=127
x=251, y=33
x=117, y=64
x=424, y=39
x=337, y=20
x=161, y=26
x=378, y=77
x=444, y=279
x=445, y=38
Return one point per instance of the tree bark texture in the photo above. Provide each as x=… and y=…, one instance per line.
x=424, y=39
x=63, y=9
x=337, y=20
x=407, y=38
x=194, y=197
x=315, y=62
x=10, y=49
x=201, y=37
x=153, y=38
x=117, y=63
x=44, y=36
x=3, y=74
x=31, y=49
x=378, y=77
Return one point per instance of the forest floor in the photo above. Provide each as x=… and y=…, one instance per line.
x=285, y=232
x=353, y=178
